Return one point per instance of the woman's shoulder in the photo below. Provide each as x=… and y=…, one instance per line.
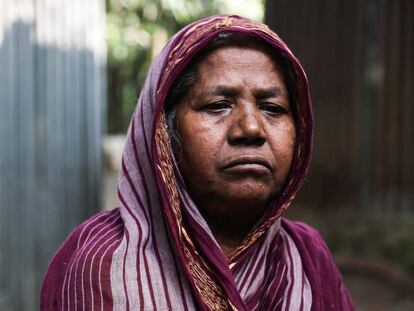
x=329, y=291
x=304, y=234
x=82, y=235
x=96, y=225
x=95, y=237
x=310, y=243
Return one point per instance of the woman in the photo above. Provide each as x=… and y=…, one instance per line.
x=218, y=146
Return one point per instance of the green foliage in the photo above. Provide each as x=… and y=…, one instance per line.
x=136, y=30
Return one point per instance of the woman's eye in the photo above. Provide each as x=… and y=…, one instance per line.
x=217, y=106
x=272, y=108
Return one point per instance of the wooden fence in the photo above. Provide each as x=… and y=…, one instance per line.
x=52, y=96
x=359, y=56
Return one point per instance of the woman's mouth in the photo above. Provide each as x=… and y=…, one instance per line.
x=248, y=164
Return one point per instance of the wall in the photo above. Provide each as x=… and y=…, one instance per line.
x=358, y=55
x=52, y=99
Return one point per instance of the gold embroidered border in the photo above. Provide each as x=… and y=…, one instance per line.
x=300, y=156
x=209, y=290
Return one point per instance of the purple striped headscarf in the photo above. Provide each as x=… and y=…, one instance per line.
x=156, y=252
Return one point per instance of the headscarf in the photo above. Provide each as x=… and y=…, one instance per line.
x=156, y=252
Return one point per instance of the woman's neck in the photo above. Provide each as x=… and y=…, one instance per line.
x=230, y=230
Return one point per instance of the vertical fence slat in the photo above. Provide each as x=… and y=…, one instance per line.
x=408, y=110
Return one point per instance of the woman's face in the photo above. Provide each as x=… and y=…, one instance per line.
x=237, y=132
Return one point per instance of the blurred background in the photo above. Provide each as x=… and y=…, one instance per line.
x=70, y=75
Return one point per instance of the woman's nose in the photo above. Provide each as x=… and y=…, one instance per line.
x=247, y=127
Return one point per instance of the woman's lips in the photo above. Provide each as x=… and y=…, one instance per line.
x=246, y=164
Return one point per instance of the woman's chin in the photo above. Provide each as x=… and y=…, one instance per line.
x=251, y=192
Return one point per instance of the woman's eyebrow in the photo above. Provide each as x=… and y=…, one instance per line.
x=270, y=92
x=260, y=93
x=226, y=91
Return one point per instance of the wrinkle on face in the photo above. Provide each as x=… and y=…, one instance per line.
x=225, y=117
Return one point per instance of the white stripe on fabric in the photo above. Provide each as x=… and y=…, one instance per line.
x=104, y=243
x=307, y=294
x=89, y=248
x=68, y=273
x=75, y=262
x=117, y=282
x=295, y=266
x=130, y=267
x=100, y=271
x=254, y=279
x=284, y=270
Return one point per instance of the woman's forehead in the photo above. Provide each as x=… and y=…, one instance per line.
x=231, y=43
x=234, y=56
x=241, y=66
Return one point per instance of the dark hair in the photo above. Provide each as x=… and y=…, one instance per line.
x=188, y=77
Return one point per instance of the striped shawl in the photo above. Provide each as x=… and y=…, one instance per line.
x=156, y=252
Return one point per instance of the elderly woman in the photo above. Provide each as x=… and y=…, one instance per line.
x=218, y=146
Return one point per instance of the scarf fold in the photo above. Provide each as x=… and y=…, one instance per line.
x=156, y=252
